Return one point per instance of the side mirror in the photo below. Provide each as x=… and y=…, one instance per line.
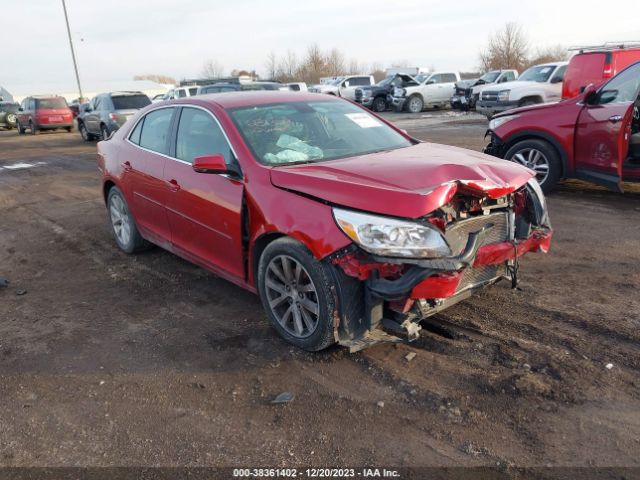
x=345, y=84
x=20, y=109
x=210, y=164
x=557, y=80
x=431, y=82
x=588, y=91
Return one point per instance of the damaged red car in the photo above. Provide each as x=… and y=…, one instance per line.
x=350, y=230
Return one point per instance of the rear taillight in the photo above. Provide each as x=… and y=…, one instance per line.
x=608, y=72
x=113, y=116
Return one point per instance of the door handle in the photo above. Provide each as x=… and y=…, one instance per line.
x=173, y=185
x=127, y=166
x=615, y=118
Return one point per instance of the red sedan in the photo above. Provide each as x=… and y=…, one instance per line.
x=343, y=224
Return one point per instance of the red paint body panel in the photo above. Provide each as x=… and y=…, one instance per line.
x=408, y=182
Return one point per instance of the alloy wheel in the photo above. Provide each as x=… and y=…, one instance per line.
x=83, y=132
x=120, y=220
x=535, y=160
x=415, y=105
x=292, y=296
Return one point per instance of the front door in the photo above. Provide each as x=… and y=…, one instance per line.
x=603, y=130
x=204, y=210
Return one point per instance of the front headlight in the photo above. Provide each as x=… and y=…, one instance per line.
x=496, y=122
x=503, y=95
x=399, y=92
x=390, y=237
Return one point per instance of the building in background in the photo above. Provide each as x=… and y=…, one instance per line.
x=5, y=96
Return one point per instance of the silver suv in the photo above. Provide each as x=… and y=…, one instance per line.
x=107, y=112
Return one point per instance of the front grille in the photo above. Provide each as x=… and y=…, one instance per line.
x=457, y=234
x=489, y=96
x=461, y=91
x=477, y=275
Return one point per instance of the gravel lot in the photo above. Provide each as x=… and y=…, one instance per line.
x=109, y=359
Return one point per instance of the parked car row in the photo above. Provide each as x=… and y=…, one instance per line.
x=43, y=112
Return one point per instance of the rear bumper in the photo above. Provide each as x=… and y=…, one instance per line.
x=53, y=126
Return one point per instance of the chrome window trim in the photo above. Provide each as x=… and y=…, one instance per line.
x=176, y=105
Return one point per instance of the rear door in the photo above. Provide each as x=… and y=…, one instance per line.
x=604, y=128
x=92, y=117
x=143, y=163
x=204, y=210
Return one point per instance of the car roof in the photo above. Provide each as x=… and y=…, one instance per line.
x=254, y=97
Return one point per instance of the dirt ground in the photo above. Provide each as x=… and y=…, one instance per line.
x=109, y=359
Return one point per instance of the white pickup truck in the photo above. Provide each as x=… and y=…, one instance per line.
x=344, y=86
x=538, y=84
x=433, y=90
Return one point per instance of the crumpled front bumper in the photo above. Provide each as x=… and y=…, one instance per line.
x=438, y=279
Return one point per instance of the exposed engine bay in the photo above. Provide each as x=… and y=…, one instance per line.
x=486, y=236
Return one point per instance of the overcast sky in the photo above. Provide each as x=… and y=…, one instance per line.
x=116, y=39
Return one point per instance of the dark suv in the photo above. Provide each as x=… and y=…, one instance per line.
x=44, y=113
x=594, y=136
x=375, y=96
x=8, y=118
x=107, y=112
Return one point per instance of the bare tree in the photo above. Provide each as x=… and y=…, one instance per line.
x=377, y=70
x=313, y=66
x=507, y=48
x=212, y=69
x=555, y=53
x=335, y=63
x=272, y=65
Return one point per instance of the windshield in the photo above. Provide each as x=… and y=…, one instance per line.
x=336, y=81
x=490, y=77
x=537, y=74
x=260, y=86
x=58, y=102
x=386, y=81
x=129, y=102
x=305, y=132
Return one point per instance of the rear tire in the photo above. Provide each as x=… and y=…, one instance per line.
x=104, y=132
x=297, y=293
x=84, y=133
x=538, y=155
x=69, y=129
x=20, y=128
x=123, y=225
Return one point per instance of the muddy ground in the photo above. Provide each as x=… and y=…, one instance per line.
x=109, y=359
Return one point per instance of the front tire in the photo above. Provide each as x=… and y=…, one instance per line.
x=123, y=225
x=415, y=104
x=21, y=129
x=33, y=129
x=379, y=104
x=297, y=294
x=541, y=157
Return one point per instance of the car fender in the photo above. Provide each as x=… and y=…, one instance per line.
x=316, y=229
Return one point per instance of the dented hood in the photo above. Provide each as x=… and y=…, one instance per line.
x=408, y=182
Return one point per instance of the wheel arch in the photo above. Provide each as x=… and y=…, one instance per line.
x=106, y=188
x=535, y=97
x=538, y=135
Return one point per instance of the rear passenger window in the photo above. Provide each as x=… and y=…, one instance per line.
x=135, y=135
x=193, y=91
x=198, y=135
x=181, y=93
x=155, y=131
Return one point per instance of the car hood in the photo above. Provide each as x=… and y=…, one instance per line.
x=408, y=182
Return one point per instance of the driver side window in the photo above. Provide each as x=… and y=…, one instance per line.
x=621, y=89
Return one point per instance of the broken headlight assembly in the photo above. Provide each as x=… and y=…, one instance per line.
x=391, y=237
x=399, y=92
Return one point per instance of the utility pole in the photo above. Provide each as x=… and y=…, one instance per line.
x=73, y=53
